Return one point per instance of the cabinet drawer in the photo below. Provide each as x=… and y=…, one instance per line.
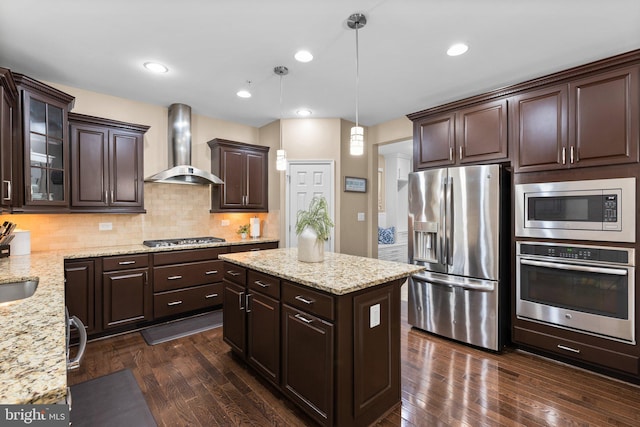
x=235, y=273
x=123, y=262
x=185, y=275
x=264, y=283
x=578, y=351
x=190, y=255
x=309, y=300
x=184, y=300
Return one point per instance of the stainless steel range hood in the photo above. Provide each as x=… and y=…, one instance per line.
x=179, y=137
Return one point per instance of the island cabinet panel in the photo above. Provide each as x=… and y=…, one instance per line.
x=234, y=316
x=377, y=325
x=263, y=335
x=79, y=291
x=475, y=134
x=308, y=363
x=591, y=121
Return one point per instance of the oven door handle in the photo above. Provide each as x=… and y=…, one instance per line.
x=575, y=267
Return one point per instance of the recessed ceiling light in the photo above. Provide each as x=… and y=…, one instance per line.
x=244, y=93
x=457, y=49
x=155, y=67
x=303, y=56
x=303, y=112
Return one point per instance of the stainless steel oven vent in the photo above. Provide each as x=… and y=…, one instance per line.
x=179, y=137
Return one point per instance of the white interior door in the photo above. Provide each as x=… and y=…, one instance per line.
x=306, y=179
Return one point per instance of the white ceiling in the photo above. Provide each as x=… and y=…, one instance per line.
x=212, y=47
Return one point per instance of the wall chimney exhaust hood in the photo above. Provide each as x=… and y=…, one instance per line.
x=179, y=137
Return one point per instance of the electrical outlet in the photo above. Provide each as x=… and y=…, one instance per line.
x=374, y=315
x=224, y=223
x=105, y=226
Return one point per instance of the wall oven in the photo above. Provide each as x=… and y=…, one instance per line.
x=598, y=209
x=589, y=289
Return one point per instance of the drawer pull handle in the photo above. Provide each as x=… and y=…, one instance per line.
x=233, y=273
x=564, y=347
x=211, y=296
x=126, y=262
x=174, y=277
x=304, y=319
x=304, y=300
x=211, y=272
x=174, y=303
x=262, y=284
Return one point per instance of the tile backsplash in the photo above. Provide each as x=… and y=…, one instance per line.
x=173, y=211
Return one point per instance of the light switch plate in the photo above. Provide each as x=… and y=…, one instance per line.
x=360, y=216
x=374, y=315
x=224, y=223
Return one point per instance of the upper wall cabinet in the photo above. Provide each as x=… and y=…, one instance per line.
x=591, y=121
x=244, y=168
x=470, y=135
x=46, y=145
x=106, y=165
x=8, y=134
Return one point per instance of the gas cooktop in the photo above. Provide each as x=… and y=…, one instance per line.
x=182, y=242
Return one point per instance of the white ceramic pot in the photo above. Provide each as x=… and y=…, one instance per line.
x=310, y=248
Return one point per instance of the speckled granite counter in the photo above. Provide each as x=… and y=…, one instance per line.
x=338, y=274
x=33, y=365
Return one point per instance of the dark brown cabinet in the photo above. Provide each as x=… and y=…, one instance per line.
x=127, y=294
x=470, y=135
x=45, y=143
x=244, y=168
x=79, y=288
x=307, y=361
x=106, y=165
x=591, y=121
x=8, y=132
x=234, y=316
x=187, y=281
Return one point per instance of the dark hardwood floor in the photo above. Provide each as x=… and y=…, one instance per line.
x=196, y=381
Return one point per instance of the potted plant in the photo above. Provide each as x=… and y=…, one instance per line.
x=313, y=227
x=243, y=230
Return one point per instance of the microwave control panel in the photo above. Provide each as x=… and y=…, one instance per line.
x=610, y=208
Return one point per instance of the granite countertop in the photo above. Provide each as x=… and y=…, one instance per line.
x=33, y=366
x=338, y=274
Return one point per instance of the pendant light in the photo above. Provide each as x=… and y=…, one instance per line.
x=281, y=155
x=356, y=141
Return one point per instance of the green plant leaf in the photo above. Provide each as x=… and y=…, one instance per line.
x=315, y=217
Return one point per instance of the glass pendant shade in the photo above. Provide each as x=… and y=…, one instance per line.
x=281, y=160
x=356, y=141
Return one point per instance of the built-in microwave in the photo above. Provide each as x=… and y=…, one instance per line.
x=598, y=209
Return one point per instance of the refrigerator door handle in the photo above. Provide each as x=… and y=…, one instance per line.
x=448, y=220
x=442, y=232
x=471, y=285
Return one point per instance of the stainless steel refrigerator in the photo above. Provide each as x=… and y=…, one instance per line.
x=459, y=230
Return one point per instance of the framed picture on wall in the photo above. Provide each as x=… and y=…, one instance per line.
x=356, y=185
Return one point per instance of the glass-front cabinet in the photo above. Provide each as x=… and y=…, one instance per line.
x=46, y=144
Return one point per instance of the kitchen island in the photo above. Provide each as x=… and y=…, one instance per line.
x=326, y=334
